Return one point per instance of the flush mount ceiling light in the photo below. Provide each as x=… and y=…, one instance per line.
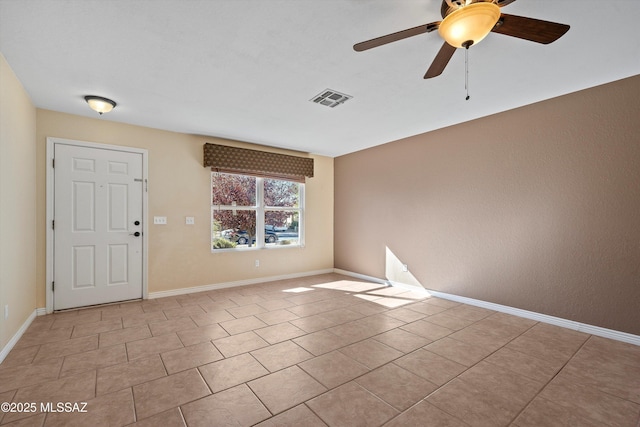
x=469, y=24
x=100, y=104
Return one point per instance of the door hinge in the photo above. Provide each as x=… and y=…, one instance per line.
x=53, y=163
x=53, y=286
x=53, y=224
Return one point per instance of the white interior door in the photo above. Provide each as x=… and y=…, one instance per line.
x=98, y=245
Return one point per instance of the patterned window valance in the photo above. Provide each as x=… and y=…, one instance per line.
x=222, y=158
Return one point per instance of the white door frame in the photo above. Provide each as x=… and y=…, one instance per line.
x=51, y=141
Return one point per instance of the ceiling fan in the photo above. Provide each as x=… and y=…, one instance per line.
x=467, y=22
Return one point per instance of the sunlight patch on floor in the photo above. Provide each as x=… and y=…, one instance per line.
x=298, y=290
x=350, y=286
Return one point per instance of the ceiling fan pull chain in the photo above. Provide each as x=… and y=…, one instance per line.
x=466, y=71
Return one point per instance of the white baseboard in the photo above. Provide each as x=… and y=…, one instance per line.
x=544, y=318
x=12, y=342
x=224, y=285
x=565, y=323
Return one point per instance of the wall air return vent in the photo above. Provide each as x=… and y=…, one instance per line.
x=330, y=98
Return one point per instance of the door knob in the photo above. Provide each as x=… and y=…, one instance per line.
x=137, y=234
x=136, y=222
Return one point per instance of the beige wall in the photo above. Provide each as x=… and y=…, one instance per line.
x=17, y=204
x=536, y=208
x=180, y=255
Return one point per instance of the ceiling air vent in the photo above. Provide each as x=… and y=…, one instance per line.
x=330, y=98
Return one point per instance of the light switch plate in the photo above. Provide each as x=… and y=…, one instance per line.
x=161, y=220
x=189, y=220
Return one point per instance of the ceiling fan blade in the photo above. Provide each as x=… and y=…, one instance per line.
x=379, y=41
x=531, y=29
x=441, y=60
x=503, y=3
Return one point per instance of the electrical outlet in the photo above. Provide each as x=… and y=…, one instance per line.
x=160, y=220
x=257, y=263
x=189, y=220
x=6, y=311
x=405, y=268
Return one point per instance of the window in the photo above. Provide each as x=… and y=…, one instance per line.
x=255, y=212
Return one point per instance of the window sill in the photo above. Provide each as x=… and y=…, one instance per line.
x=253, y=248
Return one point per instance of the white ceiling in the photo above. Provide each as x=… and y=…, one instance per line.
x=246, y=69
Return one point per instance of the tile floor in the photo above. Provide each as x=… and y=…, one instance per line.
x=316, y=351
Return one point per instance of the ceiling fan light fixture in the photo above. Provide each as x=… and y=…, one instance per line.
x=99, y=104
x=470, y=23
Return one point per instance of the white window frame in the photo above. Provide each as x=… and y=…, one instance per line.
x=260, y=209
